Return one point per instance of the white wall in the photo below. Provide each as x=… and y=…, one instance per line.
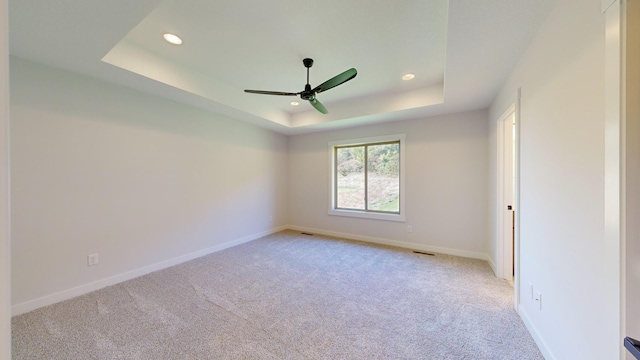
x=633, y=170
x=446, y=184
x=98, y=168
x=5, y=252
x=562, y=183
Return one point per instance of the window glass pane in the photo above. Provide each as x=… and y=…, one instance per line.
x=350, y=177
x=383, y=192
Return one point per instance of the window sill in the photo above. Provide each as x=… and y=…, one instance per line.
x=367, y=215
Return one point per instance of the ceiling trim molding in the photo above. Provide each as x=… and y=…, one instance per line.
x=470, y=46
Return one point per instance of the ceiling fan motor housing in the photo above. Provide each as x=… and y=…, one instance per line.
x=307, y=94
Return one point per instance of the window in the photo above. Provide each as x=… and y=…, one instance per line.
x=367, y=178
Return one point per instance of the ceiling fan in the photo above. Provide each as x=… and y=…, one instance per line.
x=310, y=94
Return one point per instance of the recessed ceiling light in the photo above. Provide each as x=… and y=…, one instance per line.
x=295, y=103
x=407, y=77
x=171, y=38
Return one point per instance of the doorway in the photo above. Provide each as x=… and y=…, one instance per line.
x=506, y=202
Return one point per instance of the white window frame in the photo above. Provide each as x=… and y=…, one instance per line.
x=361, y=213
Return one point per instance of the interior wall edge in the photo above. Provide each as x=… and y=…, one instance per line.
x=613, y=190
x=5, y=239
x=631, y=175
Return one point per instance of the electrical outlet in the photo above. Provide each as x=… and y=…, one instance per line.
x=92, y=259
x=409, y=228
x=539, y=300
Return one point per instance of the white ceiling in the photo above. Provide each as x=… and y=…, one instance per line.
x=460, y=50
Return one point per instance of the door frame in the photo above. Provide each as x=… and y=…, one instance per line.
x=508, y=162
x=504, y=192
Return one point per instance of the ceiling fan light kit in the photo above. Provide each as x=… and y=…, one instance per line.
x=308, y=93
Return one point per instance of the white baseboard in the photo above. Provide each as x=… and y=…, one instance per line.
x=112, y=280
x=493, y=265
x=402, y=244
x=548, y=355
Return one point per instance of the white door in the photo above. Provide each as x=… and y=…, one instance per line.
x=506, y=205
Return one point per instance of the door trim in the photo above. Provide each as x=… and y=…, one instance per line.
x=505, y=186
x=505, y=261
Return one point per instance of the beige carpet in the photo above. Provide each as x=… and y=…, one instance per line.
x=289, y=296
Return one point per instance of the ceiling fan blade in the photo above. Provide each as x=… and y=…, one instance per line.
x=336, y=80
x=318, y=105
x=271, y=92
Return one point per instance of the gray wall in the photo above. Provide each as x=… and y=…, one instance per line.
x=562, y=185
x=446, y=184
x=138, y=179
